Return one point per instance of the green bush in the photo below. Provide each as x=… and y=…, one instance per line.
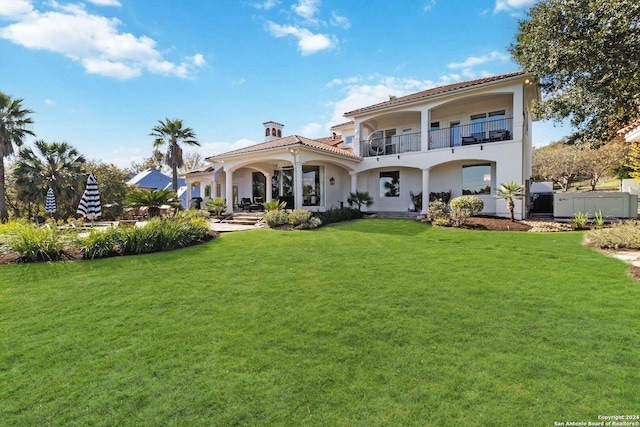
x=275, y=218
x=35, y=243
x=624, y=235
x=441, y=222
x=299, y=216
x=314, y=222
x=333, y=215
x=191, y=214
x=437, y=210
x=100, y=243
x=464, y=207
x=160, y=234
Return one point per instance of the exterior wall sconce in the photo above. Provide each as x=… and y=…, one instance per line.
x=332, y=181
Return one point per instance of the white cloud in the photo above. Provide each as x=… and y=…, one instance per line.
x=376, y=89
x=507, y=5
x=340, y=21
x=49, y=102
x=477, y=60
x=308, y=42
x=429, y=5
x=307, y=9
x=266, y=5
x=313, y=130
x=15, y=8
x=198, y=60
x=238, y=82
x=212, y=148
x=115, y=3
x=92, y=40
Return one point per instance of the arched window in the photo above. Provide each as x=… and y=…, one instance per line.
x=279, y=133
x=273, y=131
x=268, y=132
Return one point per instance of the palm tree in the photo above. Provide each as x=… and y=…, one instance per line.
x=509, y=191
x=152, y=200
x=57, y=165
x=172, y=133
x=14, y=127
x=359, y=199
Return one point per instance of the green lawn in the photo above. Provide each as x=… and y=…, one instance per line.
x=370, y=323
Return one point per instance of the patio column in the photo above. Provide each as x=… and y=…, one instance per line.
x=425, y=128
x=354, y=181
x=425, y=191
x=228, y=174
x=297, y=183
x=188, y=193
x=269, y=189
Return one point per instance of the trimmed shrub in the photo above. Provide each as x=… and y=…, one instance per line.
x=275, y=218
x=437, y=210
x=624, y=235
x=299, y=216
x=441, y=222
x=35, y=243
x=464, y=207
x=338, y=214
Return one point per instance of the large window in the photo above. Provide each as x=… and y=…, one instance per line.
x=259, y=182
x=390, y=184
x=476, y=179
x=312, y=185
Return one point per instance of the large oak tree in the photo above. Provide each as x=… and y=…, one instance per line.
x=586, y=54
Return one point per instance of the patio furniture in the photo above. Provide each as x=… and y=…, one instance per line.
x=499, y=135
x=245, y=204
x=468, y=140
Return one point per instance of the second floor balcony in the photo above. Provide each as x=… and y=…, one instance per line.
x=379, y=144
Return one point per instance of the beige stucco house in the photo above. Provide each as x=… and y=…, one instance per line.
x=465, y=137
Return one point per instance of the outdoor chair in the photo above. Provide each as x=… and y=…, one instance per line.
x=245, y=204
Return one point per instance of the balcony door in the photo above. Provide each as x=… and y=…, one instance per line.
x=454, y=134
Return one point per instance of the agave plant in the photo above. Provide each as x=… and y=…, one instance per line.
x=152, y=200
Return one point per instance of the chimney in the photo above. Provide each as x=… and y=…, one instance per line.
x=272, y=131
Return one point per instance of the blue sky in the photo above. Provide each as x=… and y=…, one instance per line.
x=99, y=74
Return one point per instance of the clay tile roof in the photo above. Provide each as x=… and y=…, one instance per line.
x=287, y=142
x=435, y=91
x=628, y=128
x=349, y=123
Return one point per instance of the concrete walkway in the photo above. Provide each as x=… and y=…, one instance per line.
x=222, y=227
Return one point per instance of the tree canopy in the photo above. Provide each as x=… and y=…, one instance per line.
x=586, y=55
x=172, y=133
x=15, y=125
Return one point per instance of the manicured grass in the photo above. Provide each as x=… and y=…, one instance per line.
x=370, y=323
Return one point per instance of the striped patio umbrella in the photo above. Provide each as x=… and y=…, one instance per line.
x=90, y=203
x=50, y=203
